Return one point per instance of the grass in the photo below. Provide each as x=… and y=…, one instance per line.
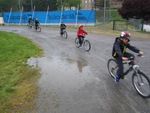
x=17, y=86
x=108, y=29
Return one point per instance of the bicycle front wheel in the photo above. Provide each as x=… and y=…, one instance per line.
x=112, y=67
x=141, y=83
x=87, y=45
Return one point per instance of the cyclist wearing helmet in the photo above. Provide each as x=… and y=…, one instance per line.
x=62, y=27
x=120, y=54
x=36, y=23
x=80, y=34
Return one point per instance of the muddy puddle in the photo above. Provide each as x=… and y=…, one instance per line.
x=60, y=79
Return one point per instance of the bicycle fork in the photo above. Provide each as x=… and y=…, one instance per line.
x=136, y=72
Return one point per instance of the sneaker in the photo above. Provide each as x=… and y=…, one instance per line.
x=117, y=78
x=122, y=77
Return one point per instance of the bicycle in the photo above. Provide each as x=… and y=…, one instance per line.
x=30, y=25
x=63, y=33
x=86, y=44
x=140, y=81
x=38, y=28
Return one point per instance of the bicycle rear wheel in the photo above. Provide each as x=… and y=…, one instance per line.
x=29, y=26
x=141, y=83
x=77, y=44
x=112, y=67
x=39, y=29
x=65, y=35
x=87, y=45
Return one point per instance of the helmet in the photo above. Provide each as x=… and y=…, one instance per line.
x=125, y=35
x=80, y=25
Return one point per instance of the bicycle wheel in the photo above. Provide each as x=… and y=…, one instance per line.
x=87, y=45
x=112, y=67
x=29, y=26
x=65, y=35
x=77, y=42
x=39, y=29
x=141, y=83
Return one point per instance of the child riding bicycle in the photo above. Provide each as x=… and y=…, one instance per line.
x=120, y=54
x=36, y=23
x=62, y=27
x=80, y=34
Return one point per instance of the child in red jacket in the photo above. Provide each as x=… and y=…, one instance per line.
x=80, y=34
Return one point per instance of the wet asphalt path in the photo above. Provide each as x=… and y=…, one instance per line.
x=76, y=81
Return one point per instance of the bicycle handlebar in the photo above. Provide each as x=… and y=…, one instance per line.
x=132, y=58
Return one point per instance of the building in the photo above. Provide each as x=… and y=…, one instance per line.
x=87, y=4
x=97, y=4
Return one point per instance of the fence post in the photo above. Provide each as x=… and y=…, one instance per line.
x=113, y=24
x=142, y=24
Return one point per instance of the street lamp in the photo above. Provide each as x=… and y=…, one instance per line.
x=31, y=5
x=19, y=4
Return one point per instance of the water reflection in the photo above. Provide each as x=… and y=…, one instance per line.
x=81, y=63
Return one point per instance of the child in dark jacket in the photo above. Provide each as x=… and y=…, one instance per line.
x=120, y=54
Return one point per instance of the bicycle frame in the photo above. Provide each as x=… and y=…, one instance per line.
x=133, y=67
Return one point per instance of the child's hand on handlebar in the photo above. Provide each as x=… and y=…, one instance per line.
x=141, y=53
x=124, y=58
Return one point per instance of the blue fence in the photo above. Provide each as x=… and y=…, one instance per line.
x=69, y=16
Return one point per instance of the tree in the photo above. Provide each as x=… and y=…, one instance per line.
x=40, y=5
x=6, y=5
x=138, y=9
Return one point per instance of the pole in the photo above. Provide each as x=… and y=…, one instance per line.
x=104, y=18
x=10, y=15
x=31, y=5
x=109, y=10
x=19, y=4
x=21, y=16
x=33, y=13
x=46, y=15
x=77, y=16
x=61, y=14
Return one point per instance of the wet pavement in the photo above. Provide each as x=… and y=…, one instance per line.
x=76, y=81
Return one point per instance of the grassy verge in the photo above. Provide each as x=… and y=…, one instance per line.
x=107, y=29
x=17, y=86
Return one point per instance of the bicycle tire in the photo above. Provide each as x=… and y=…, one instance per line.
x=65, y=35
x=39, y=29
x=77, y=44
x=143, y=88
x=29, y=26
x=112, y=67
x=87, y=45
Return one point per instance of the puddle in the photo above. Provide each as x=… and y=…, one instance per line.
x=60, y=79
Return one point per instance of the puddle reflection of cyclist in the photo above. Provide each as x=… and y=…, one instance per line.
x=120, y=54
x=62, y=27
x=80, y=34
x=36, y=23
x=81, y=64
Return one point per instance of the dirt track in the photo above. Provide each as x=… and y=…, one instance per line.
x=76, y=81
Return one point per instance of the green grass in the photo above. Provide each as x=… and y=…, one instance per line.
x=17, y=84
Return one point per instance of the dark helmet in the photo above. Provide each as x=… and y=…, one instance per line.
x=125, y=35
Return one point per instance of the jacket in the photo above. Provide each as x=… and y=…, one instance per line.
x=62, y=26
x=119, y=48
x=36, y=22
